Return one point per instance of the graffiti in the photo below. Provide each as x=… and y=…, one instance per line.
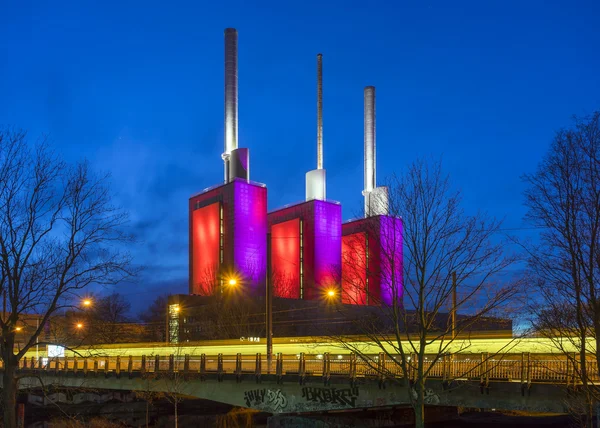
x=345, y=396
x=429, y=397
x=267, y=398
x=380, y=401
x=276, y=399
x=255, y=396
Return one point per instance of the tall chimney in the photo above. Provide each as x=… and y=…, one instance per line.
x=231, y=98
x=319, y=111
x=316, y=186
x=370, y=182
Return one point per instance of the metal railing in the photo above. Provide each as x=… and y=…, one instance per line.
x=525, y=368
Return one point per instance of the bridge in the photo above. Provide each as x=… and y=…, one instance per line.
x=492, y=343
x=321, y=383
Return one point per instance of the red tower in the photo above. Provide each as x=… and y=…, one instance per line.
x=228, y=237
x=372, y=261
x=306, y=249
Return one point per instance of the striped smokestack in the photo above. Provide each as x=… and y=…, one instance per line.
x=231, y=97
x=319, y=111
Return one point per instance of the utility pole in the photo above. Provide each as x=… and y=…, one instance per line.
x=37, y=350
x=454, y=305
x=269, y=312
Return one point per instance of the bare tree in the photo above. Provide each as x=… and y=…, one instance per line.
x=404, y=263
x=564, y=201
x=106, y=319
x=208, y=281
x=59, y=233
x=154, y=319
x=285, y=285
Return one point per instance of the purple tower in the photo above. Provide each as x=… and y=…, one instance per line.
x=228, y=223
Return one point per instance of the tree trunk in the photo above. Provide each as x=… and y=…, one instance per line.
x=419, y=403
x=9, y=394
x=176, y=421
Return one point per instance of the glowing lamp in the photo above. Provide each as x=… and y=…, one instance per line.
x=331, y=293
x=79, y=325
x=232, y=282
x=18, y=329
x=87, y=302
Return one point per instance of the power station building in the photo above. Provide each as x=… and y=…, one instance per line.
x=303, y=251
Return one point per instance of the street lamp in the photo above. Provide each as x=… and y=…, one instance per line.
x=232, y=282
x=18, y=328
x=79, y=325
x=86, y=302
x=331, y=293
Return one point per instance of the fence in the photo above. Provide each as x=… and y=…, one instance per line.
x=525, y=367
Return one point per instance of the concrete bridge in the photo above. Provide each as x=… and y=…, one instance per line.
x=309, y=384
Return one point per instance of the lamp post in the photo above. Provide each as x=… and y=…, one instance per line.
x=269, y=311
x=453, y=314
x=37, y=338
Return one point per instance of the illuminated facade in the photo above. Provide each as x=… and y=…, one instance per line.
x=372, y=261
x=309, y=259
x=306, y=249
x=228, y=237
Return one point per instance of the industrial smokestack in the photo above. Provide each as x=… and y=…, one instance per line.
x=316, y=187
x=370, y=182
x=319, y=111
x=376, y=198
x=231, y=98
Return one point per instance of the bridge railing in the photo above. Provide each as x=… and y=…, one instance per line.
x=525, y=367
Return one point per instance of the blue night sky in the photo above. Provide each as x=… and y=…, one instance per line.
x=137, y=88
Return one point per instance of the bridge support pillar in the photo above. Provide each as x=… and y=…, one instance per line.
x=202, y=367
x=279, y=368
x=186, y=365
x=352, y=370
x=302, y=369
x=381, y=370
x=485, y=373
x=258, y=367
x=220, y=367
x=326, y=368
x=238, y=367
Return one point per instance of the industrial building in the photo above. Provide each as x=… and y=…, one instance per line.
x=303, y=251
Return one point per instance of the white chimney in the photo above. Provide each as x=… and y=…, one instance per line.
x=376, y=198
x=315, y=179
x=231, y=98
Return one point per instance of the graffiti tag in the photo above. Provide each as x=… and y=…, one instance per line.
x=429, y=396
x=345, y=396
x=275, y=400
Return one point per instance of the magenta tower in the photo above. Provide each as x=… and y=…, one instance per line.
x=228, y=223
x=372, y=246
x=306, y=237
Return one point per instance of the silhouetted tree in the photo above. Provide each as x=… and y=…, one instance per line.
x=415, y=261
x=563, y=199
x=59, y=233
x=154, y=319
x=106, y=319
